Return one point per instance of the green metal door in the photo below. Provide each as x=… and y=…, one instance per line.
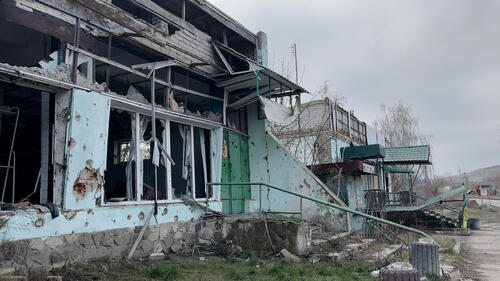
x=235, y=168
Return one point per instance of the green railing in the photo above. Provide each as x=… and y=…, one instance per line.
x=455, y=210
x=335, y=206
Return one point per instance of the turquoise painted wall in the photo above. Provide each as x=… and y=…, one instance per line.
x=86, y=157
x=87, y=134
x=272, y=163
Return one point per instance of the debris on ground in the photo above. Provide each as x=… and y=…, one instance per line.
x=289, y=256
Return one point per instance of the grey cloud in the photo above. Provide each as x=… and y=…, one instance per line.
x=441, y=57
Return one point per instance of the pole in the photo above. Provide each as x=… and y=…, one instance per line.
x=296, y=65
x=76, y=42
x=260, y=201
x=108, y=67
x=153, y=126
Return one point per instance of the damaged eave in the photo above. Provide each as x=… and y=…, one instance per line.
x=100, y=19
x=123, y=103
x=12, y=74
x=151, y=33
x=247, y=79
x=225, y=19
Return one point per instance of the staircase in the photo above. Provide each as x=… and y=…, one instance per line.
x=437, y=219
x=344, y=246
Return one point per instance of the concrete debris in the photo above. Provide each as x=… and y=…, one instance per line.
x=314, y=259
x=401, y=271
x=400, y=266
x=61, y=72
x=135, y=95
x=289, y=256
x=450, y=272
x=157, y=256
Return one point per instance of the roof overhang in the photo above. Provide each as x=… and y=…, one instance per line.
x=408, y=155
x=372, y=151
x=270, y=84
x=393, y=169
x=353, y=167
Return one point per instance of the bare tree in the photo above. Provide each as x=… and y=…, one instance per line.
x=309, y=137
x=401, y=128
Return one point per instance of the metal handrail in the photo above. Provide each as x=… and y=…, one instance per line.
x=455, y=210
x=335, y=206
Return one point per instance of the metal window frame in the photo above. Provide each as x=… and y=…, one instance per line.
x=138, y=184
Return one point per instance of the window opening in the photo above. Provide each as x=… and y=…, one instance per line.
x=202, y=160
x=180, y=142
x=148, y=170
x=120, y=177
x=33, y=141
x=238, y=120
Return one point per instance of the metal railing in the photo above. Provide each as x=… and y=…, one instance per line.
x=302, y=197
x=444, y=206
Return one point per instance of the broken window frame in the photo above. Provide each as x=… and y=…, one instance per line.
x=139, y=187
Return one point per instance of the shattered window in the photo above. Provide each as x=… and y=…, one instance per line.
x=125, y=151
x=137, y=165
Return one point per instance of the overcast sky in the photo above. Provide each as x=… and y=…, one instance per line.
x=440, y=57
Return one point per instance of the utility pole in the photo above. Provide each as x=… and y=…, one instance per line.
x=294, y=52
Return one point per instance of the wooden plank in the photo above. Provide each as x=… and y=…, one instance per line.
x=139, y=238
x=221, y=56
x=147, y=30
x=225, y=19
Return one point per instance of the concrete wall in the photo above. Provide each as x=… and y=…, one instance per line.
x=86, y=157
x=221, y=236
x=356, y=197
x=272, y=163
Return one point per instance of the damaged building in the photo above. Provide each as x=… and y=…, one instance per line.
x=358, y=163
x=116, y=111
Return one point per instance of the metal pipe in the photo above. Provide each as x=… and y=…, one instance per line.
x=257, y=78
x=206, y=195
x=301, y=213
x=260, y=201
x=76, y=43
x=14, y=178
x=10, y=152
x=36, y=185
x=382, y=232
x=335, y=206
x=155, y=141
x=108, y=67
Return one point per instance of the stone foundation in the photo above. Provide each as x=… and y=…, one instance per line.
x=216, y=236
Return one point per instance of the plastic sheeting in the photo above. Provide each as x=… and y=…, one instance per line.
x=278, y=114
x=185, y=132
x=203, y=155
x=144, y=121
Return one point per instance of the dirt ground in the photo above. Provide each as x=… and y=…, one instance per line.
x=484, y=244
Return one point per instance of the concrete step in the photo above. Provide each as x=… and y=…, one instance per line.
x=352, y=250
x=385, y=255
x=326, y=242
